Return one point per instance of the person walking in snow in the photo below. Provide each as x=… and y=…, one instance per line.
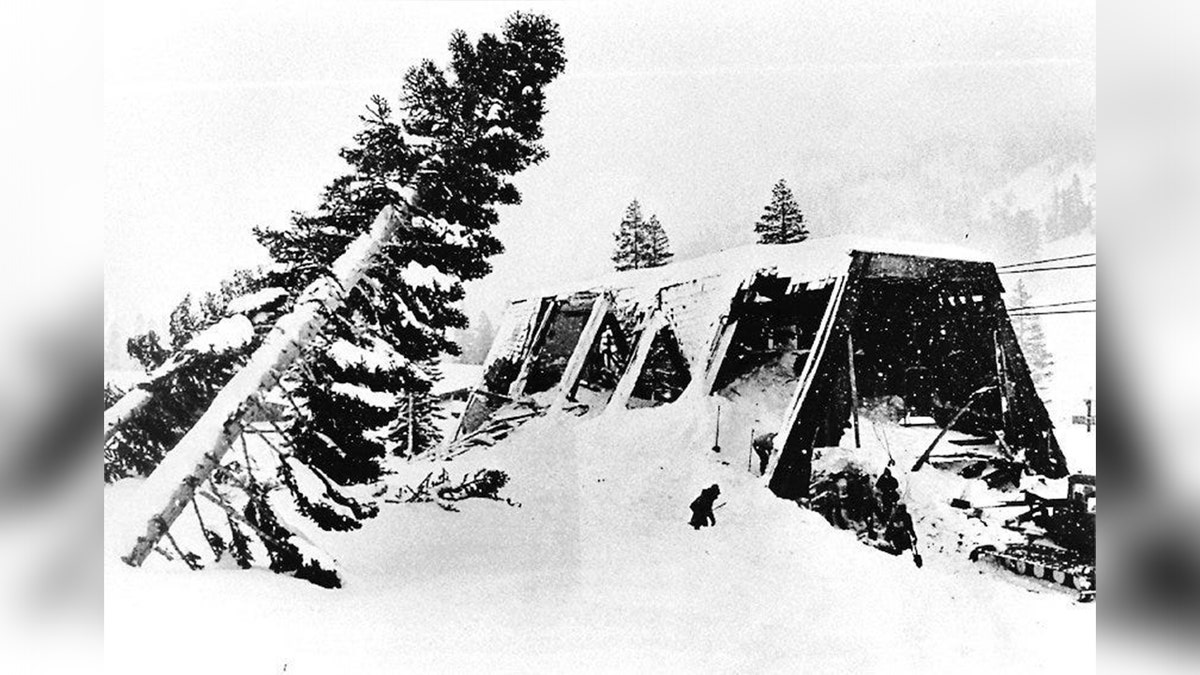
x=889, y=494
x=901, y=535
x=763, y=445
x=702, y=507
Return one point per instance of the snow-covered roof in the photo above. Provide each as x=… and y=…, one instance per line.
x=812, y=260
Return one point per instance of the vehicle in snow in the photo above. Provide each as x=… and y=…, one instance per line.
x=1060, y=536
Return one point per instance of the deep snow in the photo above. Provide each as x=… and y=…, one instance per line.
x=597, y=571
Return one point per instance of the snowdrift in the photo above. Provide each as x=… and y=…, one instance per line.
x=598, y=571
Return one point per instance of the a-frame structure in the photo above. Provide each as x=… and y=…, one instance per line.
x=924, y=324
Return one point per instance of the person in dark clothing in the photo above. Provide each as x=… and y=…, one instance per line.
x=702, y=507
x=901, y=535
x=763, y=445
x=889, y=494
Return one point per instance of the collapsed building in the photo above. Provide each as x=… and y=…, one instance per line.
x=923, y=327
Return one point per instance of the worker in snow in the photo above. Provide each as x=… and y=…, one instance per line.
x=763, y=444
x=901, y=535
x=702, y=507
x=889, y=494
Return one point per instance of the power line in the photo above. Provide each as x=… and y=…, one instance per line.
x=1046, y=269
x=1047, y=260
x=1052, y=304
x=1059, y=311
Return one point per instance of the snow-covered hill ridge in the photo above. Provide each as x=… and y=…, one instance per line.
x=1033, y=189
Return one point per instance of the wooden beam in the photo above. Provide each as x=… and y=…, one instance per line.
x=853, y=389
x=928, y=451
x=633, y=370
x=529, y=353
x=815, y=354
x=718, y=355
x=583, y=347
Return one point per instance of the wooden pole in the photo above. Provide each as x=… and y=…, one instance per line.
x=750, y=452
x=717, y=440
x=853, y=390
x=1002, y=378
x=925, y=455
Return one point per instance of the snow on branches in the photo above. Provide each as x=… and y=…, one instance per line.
x=333, y=346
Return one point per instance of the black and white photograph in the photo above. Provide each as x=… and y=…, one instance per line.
x=553, y=336
x=558, y=337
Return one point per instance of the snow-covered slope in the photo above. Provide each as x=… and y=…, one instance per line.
x=597, y=571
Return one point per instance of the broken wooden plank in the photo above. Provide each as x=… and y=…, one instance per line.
x=974, y=397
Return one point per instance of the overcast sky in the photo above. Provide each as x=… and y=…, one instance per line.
x=219, y=117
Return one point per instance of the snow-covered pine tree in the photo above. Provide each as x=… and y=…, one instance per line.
x=183, y=323
x=658, y=249
x=416, y=427
x=781, y=221
x=147, y=350
x=639, y=242
x=463, y=132
x=1032, y=339
x=206, y=350
x=628, y=249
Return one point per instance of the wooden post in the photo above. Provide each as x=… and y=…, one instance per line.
x=853, y=390
x=717, y=440
x=529, y=353
x=750, y=453
x=1002, y=379
x=1088, y=420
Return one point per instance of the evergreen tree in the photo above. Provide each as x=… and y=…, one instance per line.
x=461, y=133
x=640, y=243
x=147, y=350
x=1017, y=232
x=183, y=323
x=658, y=250
x=417, y=425
x=626, y=255
x=1070, y=211
x=1031, y=338
x=781, y=222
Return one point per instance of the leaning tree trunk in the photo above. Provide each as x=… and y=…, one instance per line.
x=172, y=485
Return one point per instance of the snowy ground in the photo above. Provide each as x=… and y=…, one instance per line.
x=597, y=571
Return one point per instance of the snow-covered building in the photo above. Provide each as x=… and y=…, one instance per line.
x=920, y=328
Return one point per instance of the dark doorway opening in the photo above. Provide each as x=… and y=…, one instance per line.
x=775, y=323
x=561, y=335
x=665, y=374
